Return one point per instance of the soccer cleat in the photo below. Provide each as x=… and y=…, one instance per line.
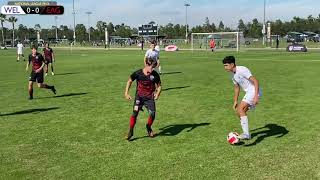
x=46, y=74
x=54, y=90
x=130, y=134
x=30, y=98
x=149, y=131
x=52, y=73
x=244, y=136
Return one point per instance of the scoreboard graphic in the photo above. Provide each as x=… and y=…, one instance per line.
x=32, y=7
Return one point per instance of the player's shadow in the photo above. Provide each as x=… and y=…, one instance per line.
x=175, y=129
x=28, y=111
x=167, y=73
x=174, y=88
x=64, y=74
x=267, y=131
x=64, y=95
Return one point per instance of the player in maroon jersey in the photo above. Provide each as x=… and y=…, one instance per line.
x=37, y=72
x=148, y=90
x=48, y=58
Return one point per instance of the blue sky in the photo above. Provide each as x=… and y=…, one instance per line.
x=135, y=12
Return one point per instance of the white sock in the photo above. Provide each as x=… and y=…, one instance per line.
x=245, y=124
x=18, y=58
x=159, y=69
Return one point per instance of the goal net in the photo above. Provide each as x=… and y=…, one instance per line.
x=222, y=40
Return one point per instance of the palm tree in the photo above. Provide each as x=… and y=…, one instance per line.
x=12, y=20
x=2, y=19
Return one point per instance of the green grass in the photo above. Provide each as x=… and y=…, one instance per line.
x=79, y=134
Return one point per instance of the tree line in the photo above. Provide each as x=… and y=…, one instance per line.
x=252, y=29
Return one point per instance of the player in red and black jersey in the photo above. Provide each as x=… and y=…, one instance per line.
x=48, y=58
x=148, y=90
x=36, y=75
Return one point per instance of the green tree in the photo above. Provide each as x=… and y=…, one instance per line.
x=22, y=32
x=242, y=27
x=278, y=28
x=213, y=27
x=81, y=32
x=206, y=25
x=101, y=26
x=197, y=29
x=12, y=20
x=221, y=26
x=110, y=28
x=123, y=31
x=65, y=32
x=255, y=28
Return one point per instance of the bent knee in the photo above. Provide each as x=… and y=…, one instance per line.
x=241, y=110
x=152, y=114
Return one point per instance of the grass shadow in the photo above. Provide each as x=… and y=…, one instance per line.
x=64, y=74
x=28, y=111
x=174, y=88
x=173, y=130
x=64, y=95
x=167, y=73
x=267, y=131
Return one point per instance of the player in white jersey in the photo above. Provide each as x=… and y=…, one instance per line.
x=20, y=51
x=242, y=77
x=153, y=53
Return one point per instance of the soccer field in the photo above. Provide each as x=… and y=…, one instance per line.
x=79, y=133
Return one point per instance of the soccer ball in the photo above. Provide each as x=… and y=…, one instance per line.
x=233, y=138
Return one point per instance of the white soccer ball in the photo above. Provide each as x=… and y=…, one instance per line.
x=233, y=138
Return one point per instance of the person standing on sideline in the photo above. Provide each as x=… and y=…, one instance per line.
x=277, y=42
x=242, y=77
x=142, y=43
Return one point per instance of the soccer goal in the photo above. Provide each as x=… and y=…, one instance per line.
x=223, y=40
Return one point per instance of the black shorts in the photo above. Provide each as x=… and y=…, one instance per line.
x=36, y=77
x=47, y=60
x=139, y=102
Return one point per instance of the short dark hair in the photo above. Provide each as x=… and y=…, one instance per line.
x=151, y=62
x=153, y=42
x=229, y=60
x=34, y=47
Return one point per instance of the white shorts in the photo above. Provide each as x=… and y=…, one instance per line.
x=20, y=52
x=249, y=96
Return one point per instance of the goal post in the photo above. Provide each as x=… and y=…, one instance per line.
x=223, y=40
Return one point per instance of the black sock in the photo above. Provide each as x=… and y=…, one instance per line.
x=31, y=93
x=47, y=86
